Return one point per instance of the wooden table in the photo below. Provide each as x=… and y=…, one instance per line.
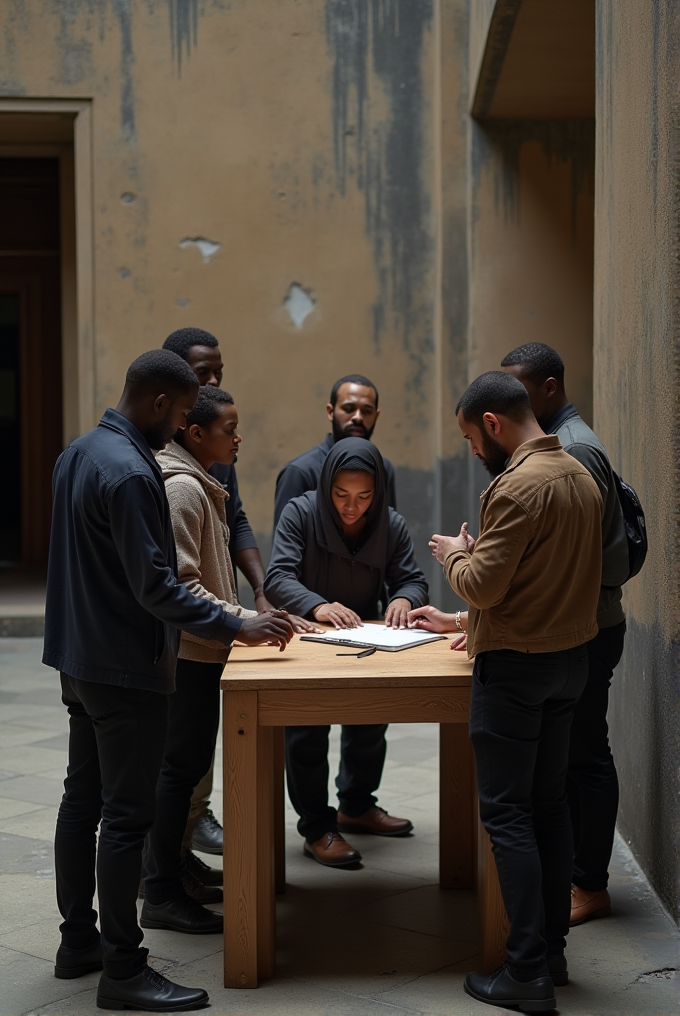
x=264, y=691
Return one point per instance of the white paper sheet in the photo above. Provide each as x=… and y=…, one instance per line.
x=376, y=635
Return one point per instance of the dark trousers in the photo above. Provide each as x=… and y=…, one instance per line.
x=362, y=757
x=116, y=742
x=592, y=783
x=192, y=731
x=520, y=716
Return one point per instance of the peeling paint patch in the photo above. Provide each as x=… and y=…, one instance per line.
x=299, y=304
x=208, y=248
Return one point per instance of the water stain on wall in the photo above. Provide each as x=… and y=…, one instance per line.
x=383, y=40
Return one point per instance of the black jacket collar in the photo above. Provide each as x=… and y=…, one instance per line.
x=116, y=421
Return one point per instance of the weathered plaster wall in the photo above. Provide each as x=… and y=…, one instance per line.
x=299, y=139
x=636, y=400
x=531, y=243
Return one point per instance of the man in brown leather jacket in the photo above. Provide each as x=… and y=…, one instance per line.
x=532, y=580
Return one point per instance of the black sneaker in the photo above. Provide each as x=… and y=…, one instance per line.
x=78, y=962
x=501, y=988
x=184, y=915
x=150, y=992
x=208, y=836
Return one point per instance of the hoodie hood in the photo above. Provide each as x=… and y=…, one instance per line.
x=175, y=460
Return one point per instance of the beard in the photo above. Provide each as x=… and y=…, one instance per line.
x=494, y=457
x=159, y=436
x=341, y=432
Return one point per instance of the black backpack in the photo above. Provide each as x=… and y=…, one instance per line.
x=634, y=522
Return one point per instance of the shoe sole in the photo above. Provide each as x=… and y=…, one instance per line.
x=350, y=829
x=114, y=1003
x=165, y=926
x=523, y=1004
x=68, y=973
x=603, y=912
x=207, y=850
x=331, y=864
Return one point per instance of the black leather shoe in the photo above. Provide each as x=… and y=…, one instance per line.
x=208, y=836
x=184, y=915
x=501, y=988
x=199, y=892
x=150, y=992
x=202, y=872
x=557, y=968
x=78, y=962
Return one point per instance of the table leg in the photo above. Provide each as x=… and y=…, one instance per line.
x=240, y=753
x=279, y=810
x=457, y=807
x=493, y=922
x=266, y=903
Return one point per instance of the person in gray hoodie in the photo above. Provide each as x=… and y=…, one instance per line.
x=341, y=555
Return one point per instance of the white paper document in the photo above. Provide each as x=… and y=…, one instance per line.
x=376, y=636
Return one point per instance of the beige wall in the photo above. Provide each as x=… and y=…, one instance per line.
x=531, y=237
x=636, y=409
x=298, y=136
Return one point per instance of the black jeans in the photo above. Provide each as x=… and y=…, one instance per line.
x=116, y=742
x=592, y=783
x=362, y=757
x=521, y=710
x=192, y=733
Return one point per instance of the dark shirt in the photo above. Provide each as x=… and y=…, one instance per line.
x=302, y=474
x=302, y=573
x=241, y=536
x=584, y=445
x=114, y=605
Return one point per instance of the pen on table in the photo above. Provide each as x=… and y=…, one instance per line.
x=360, y=656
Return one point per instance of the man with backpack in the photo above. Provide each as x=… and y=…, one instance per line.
x=592, y=783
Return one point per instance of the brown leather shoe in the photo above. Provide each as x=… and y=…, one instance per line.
x=586, y=906
x=331, y=850
x=375, y=821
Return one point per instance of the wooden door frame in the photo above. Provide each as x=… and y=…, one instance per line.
x=77, y=252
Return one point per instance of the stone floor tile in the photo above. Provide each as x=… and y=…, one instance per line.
x=12, y=734
x=24, y=901
x=38, y=824
x=27, y=758
x=37, y=789
x=27, y=983
x=21, y=854
x=9, y=808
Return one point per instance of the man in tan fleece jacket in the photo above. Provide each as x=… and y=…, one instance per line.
x=532, y=581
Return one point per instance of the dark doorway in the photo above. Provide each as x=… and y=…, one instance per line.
x=30, y=352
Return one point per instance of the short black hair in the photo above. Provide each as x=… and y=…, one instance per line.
x=494, y=392
x=184, y=339
x=352, y=379
x=160, y=372
x=538, y=362
x=206, y=408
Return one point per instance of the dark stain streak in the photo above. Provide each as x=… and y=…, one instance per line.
x=183, y=28
x=570, y=141
x=123, y=12
x=384, y=155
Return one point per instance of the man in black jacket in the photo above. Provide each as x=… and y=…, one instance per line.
x=592, y=783
x=113, y=614
x=352, y=412
x=201, y=351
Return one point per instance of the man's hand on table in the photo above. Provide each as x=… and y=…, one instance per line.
x=273, y=628
x=396, y=615
x=338, y=615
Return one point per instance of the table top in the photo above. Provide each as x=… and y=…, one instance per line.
x=315, y=665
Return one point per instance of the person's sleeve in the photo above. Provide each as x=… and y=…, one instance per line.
x=391, y=485
x=291, y=482
x=187, y=512
x=403, y=577
x=483, y=577
x=596, y=465
x=241, y=536
x=135, y=516
x=282, y=585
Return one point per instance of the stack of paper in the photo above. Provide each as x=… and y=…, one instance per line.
x=377, y=636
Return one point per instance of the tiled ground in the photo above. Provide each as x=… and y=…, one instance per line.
x=379, y=940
